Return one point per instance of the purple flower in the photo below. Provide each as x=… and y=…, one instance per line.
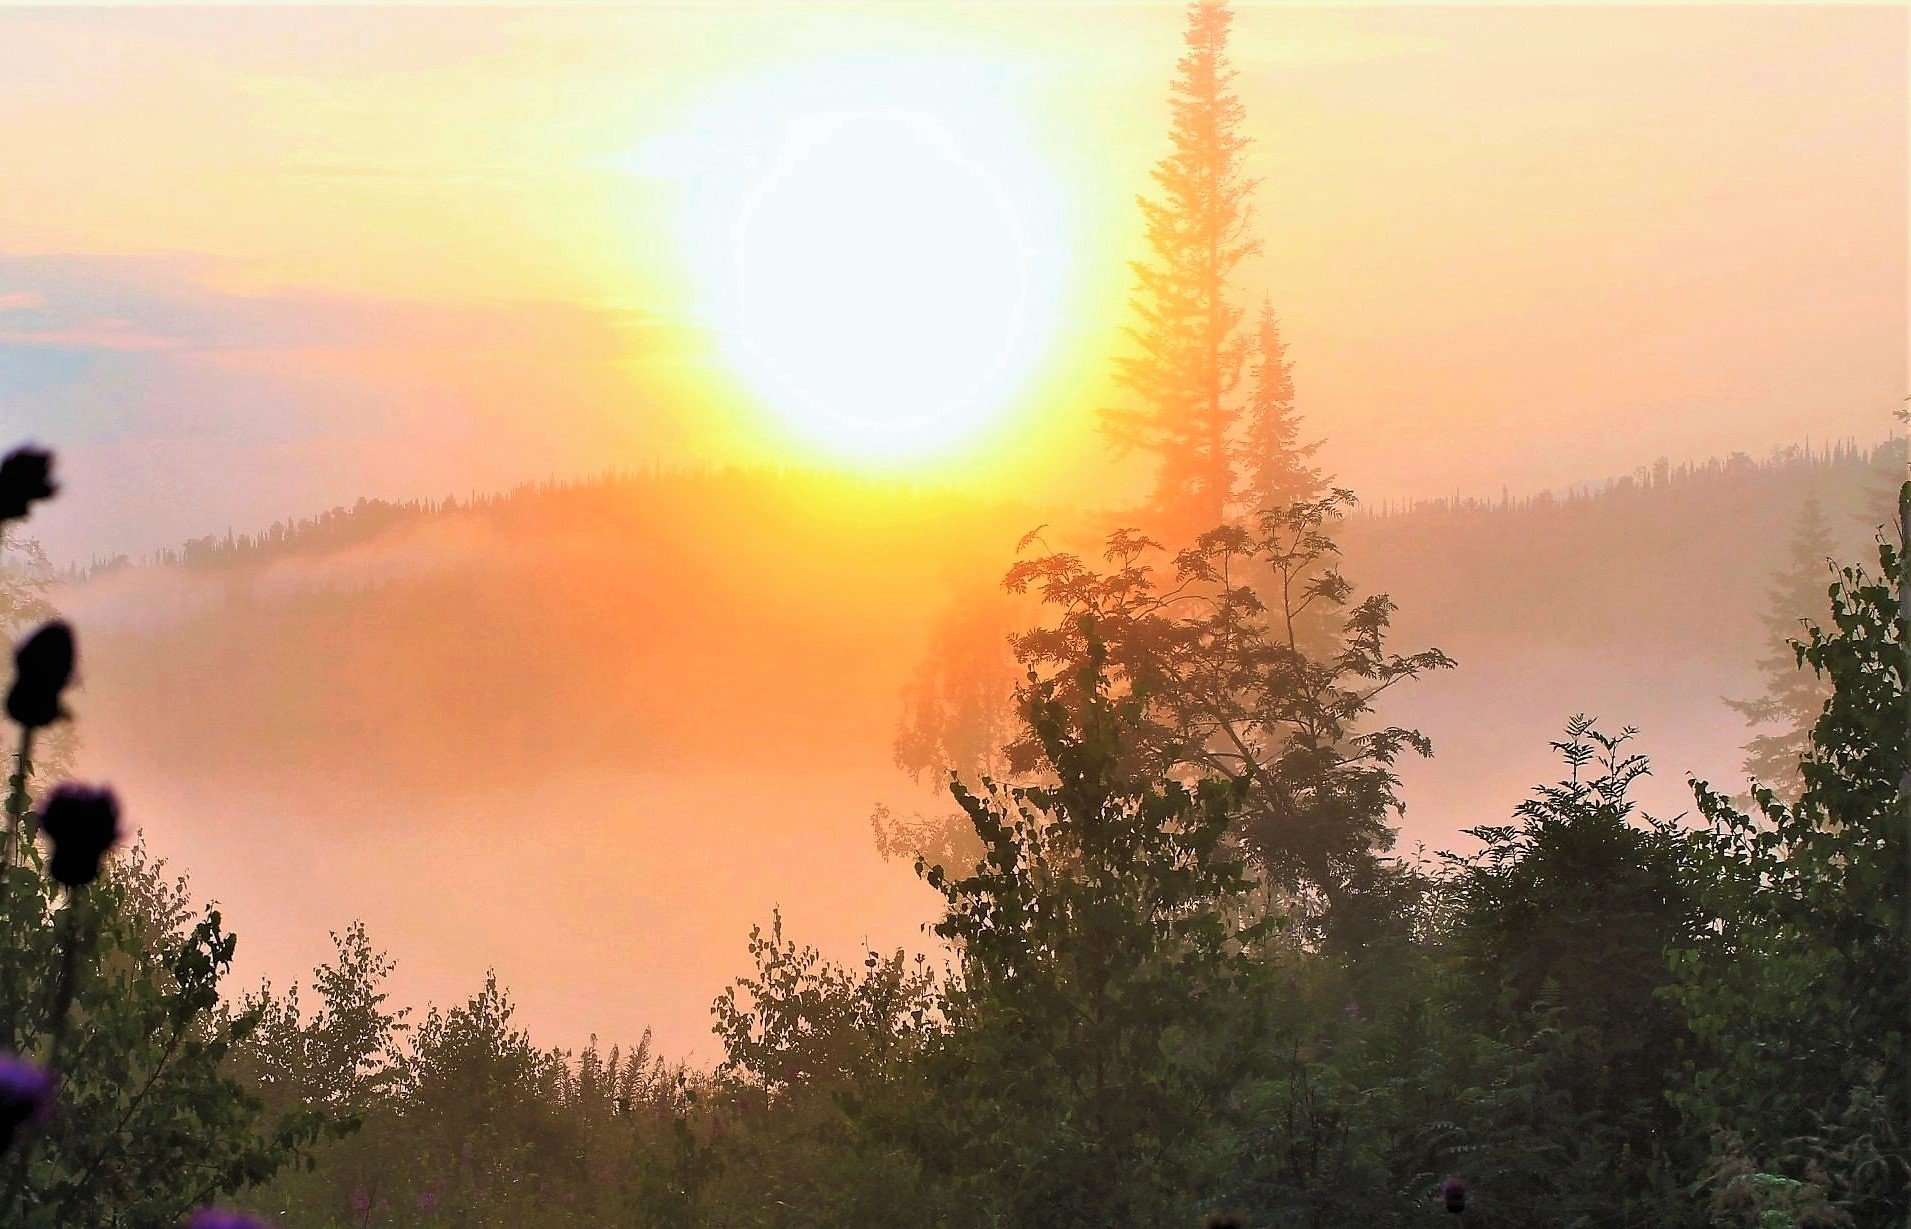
x=428, y=1201
x=1453, y=1195
x=26, y=476
x=217, y=1218
x=42, y=668
x=83, y=823
x=26, y=1096
x=361, y=1201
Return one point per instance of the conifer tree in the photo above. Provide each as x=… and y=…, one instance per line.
x=1794, y=696
x=1186, y=375
x=1276, y=468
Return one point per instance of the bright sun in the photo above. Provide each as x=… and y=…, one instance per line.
x=879, y=255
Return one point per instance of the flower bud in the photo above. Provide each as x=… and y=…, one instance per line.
x=42, y=668
x=26, y=1097
x=82, y=823
x=216, y=1218
x=26, y=476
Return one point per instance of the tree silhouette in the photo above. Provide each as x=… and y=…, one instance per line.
x=1191, y=351
x=1794, y=696
x=1213, y=645
x=1276, y=468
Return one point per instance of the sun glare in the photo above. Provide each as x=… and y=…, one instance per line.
x=880, y=258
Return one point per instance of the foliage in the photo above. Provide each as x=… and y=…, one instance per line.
x=151, y=1119
x=1560, y=925
x=1797, y=987
x=945, y=840
x=815, y=1052
x=801, y=1020
x=1209, y=649
x=1104, y=1000
x=342, y=1059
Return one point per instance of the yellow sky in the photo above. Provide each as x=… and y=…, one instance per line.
x=405, y=251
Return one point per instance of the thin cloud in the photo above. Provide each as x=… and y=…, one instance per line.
x=94, y=335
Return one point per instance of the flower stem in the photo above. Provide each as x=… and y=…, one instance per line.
x=70, y=944
x=17, y=797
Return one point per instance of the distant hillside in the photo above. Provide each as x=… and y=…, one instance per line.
x=1639, y=601
x=1664, y=556
x=640, y=620
x=701, y=618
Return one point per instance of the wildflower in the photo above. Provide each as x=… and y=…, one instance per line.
x=83, y=823
x=26, y=476
x=428, y=1201
x=1453, y=1195
x=218, y=1218
x=42, y=667
x=26, y=1096
x=361, y=1202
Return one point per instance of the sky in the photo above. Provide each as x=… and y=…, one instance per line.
x=256, y=262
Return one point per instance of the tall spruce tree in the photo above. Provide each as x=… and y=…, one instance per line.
x=1191, y=352
x=1794, y=696
x=1276, y=468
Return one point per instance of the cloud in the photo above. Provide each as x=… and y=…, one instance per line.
x=93, y=335
x=105, y=347
x=135, y=302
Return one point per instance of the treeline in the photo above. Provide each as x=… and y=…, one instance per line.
x=368, y=520
x=1846, y=461
x=525, y=608
x=653, y=494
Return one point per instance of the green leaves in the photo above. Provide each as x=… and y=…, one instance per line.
x=801, y=1021
x=1105, y=988
x=1237, y=659
x=1796, y=990
x=151, y=1118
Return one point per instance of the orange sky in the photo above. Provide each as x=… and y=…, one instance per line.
x=328, y=253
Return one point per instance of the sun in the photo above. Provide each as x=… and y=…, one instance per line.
x=879, y=257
